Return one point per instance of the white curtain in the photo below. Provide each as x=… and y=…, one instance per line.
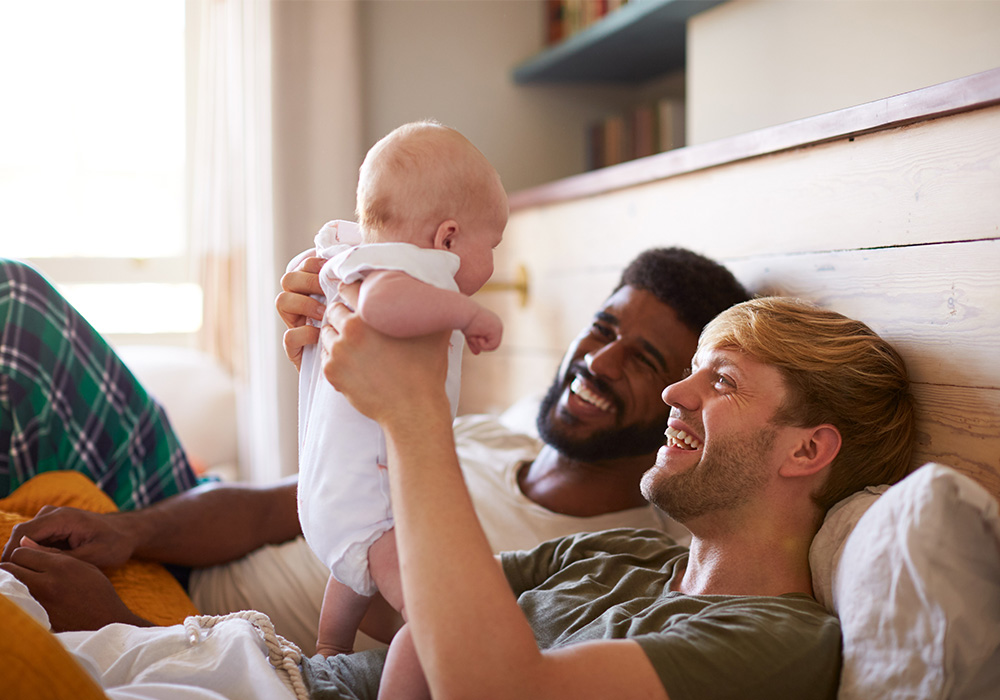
x=231, y=214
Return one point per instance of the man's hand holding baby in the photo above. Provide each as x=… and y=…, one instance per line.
x=380, y=375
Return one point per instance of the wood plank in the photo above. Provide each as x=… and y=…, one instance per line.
x=939, y=304
x=535, y=336
x=962, y=95
x=561, y=303
x=566, y=302
x=960, y=427
x=932, y=182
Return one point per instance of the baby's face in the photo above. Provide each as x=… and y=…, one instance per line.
x=475, y=248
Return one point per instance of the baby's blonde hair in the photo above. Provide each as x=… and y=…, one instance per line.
x=420, y=175
x=837, y=371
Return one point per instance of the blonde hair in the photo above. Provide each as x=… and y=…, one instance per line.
x=837, y=371
x=421, y=174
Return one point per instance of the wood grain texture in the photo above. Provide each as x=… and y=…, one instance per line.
x=960, y=427
x=926, y=183
x=938, y=304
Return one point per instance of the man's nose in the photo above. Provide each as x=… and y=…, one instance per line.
x=605, y=361
x=682, y=394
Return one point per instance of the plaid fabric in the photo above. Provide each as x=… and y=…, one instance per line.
x=68, y=402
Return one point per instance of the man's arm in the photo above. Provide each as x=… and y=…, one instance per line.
x=216, y=523
x=403, y=307
x=470, y=635
x=207, y=525
x=59, y=554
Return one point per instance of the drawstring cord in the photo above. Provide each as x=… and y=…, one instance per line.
x=283, y=655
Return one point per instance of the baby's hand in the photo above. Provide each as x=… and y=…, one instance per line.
x=483, y=331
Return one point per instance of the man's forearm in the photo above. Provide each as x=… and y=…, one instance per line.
x=458, y=602
x=215, y=523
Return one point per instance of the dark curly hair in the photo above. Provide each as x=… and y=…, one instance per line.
x=695, y=287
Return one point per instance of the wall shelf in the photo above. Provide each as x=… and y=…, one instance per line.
x=643, y=40
x=967, y=94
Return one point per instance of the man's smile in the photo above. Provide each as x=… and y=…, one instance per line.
x=580, y=389
x=681, y=439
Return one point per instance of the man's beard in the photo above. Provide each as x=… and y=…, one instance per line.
x=727, y=478
x=614, y=443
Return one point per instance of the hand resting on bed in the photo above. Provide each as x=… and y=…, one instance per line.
x=75, y=593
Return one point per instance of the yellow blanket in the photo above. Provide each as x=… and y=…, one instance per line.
x=34, y=665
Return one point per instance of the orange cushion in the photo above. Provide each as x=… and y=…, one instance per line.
x=33, y=664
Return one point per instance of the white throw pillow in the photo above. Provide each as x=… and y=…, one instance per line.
x=198, y=395
x=917, y=590
x=828, y=545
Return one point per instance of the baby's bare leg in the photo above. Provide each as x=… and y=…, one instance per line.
x=383, y=563
x=402, y=677
x=339, y=618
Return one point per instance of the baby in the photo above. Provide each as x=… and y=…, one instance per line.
x=431, y=210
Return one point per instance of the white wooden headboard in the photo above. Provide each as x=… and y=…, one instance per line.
x=888, y=212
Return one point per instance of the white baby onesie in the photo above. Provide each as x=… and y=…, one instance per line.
x=343, y=494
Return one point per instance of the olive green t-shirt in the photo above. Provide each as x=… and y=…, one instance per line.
x=616, y=584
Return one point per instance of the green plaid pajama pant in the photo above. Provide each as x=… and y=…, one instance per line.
x=68, y=402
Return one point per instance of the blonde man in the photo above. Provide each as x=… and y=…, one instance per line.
x=785, y=409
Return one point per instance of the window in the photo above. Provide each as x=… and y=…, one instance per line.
x=92, y=157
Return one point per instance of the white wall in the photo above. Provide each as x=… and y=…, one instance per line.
x=317, y=115
x=349, y=71
x=317, y=146
x=452, y=61
x=756, y=63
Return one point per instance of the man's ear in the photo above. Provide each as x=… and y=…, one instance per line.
x=816, y=449
x=444, y=237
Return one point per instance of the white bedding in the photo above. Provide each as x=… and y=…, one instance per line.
x=228, y=662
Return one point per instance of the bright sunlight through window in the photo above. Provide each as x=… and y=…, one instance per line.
x=92, y=143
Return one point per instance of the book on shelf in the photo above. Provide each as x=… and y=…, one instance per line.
x=564, y=18
x=642, y=131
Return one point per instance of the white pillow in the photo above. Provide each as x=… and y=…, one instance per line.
x=828, y=545
x=198, y=395
x=918, y=592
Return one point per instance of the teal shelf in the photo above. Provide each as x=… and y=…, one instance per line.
x=642, y=40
